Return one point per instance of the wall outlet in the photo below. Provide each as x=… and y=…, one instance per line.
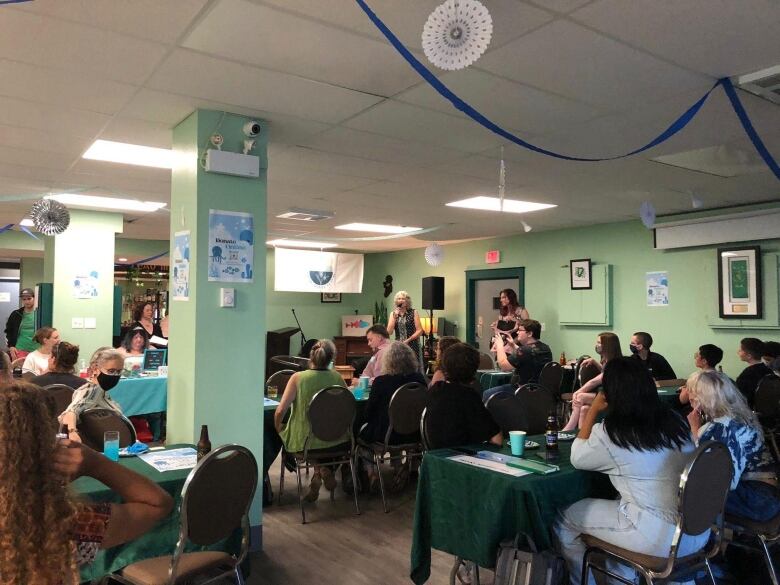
x=77, y=323
x=227, y=298
x=90, y=323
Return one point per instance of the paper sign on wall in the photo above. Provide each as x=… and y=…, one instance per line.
x=85, y=284
x=657, y=287
x=311, y=271
x=231, y=246
x=181, y=266
x=5, y=297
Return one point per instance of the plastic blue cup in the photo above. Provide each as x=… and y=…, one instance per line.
x=517, y=443
x=363, y=382
x=111, y=445
x=358, y=392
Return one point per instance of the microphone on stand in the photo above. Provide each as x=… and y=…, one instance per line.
x=303, y=337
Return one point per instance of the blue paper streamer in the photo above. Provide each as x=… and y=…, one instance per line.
x=149, y=259
x=13, y=1
x=673, y=128
x=28, y=232
x=6, y=228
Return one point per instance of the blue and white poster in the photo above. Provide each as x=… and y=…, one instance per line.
x=657, y=286
x=85, y=284
x=181, y=266
x=231, y=246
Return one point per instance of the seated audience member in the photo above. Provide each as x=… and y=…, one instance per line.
x=643, y=446
x=608, y=348
x=105, y=370
x=441, y=346
x=655, y=363
x=63, y=359
x=36, y=473
x=751, y=350
x=526, y=359
x=730, y=421
x=771, y=352
x=378, y=340
x=400, y=366
x=455, y=413
x=706, y=359
x=135, y=343
x=300, y=389
x=37, y=362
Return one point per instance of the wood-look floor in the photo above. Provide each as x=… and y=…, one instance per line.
x=336, y=546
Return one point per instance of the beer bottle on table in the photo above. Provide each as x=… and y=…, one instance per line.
x=551, y=434
x=562, y=360
x=204, y=445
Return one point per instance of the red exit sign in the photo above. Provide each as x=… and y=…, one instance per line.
x=492, y=257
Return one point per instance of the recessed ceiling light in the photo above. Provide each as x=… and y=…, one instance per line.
x=130, y=154
x=121, y=259
x=378, y=228
x=494, y=204
x=106, y=202
x=27, y=222
x=300, y=244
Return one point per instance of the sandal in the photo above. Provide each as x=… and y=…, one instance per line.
x=328, y=479
x=314, y=489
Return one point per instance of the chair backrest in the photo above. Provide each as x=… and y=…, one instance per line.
x=507, y=411
x=331, y=412
x=704, y=485
x=292, y=362
x=486, y=361
x=406, y=407
x=550, y=377
x=279, y=379
x=61, y=394
x=536, y=402
x=575, y=383
x=96, y=421
x=426, y=441
x=587, y=372
x=767, y=400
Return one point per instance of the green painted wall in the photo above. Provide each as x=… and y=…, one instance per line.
x=31, y=272
x=678, y=329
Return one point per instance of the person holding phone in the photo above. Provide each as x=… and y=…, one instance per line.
x=405, y=322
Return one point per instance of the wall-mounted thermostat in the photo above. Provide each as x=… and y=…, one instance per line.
x=227, y=297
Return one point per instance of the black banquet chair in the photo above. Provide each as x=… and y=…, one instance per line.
x=62, y=396
x=537, y=402
x=507, y=411
x=96, y=421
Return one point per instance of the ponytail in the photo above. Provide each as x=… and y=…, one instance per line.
x=323, y=352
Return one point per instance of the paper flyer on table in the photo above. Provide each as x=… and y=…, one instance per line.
x=172, y=459
x=231, y=246
x=487, y=464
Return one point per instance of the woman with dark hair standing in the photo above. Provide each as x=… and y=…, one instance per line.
x=643, y=445
x=608, y=348
x=61, y=363
x=298, y=394
x=511, y=312
x=143, y=317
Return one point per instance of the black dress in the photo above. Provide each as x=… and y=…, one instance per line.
x=405, y=328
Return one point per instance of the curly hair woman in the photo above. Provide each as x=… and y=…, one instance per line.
x=44, y=532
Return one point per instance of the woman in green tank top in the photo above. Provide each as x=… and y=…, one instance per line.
x=300, y=390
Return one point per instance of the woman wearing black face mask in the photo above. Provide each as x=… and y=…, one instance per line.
x=105, y=370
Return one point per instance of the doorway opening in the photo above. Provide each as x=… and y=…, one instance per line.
x=482, y=291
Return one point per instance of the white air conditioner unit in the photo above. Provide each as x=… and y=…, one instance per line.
x=232, y=163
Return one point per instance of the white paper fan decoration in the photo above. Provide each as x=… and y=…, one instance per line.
x=50, y=217
x=457, y=33
x=647, y=214
x=434, y=254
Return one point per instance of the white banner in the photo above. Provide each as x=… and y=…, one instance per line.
x=313, y=271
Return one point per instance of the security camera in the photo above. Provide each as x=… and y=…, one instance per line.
x=252, y=128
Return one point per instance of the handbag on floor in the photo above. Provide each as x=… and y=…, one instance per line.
x=520, y=562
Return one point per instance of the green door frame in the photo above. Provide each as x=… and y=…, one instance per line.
x=473, y=276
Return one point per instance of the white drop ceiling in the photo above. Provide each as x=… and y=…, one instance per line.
x=354, y=130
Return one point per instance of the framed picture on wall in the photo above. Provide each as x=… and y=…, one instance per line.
x=579, y=273
x=330, y=297
x=739, y=283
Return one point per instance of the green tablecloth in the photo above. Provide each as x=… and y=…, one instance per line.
x=669, y=395
x=141, y=395
x=157, y=542
x=466, y=511
x=492, y=378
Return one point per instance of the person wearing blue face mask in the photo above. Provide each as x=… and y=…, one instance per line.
x=655, y=363
x=105, y=371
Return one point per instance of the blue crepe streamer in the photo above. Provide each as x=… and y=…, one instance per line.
x=13, y=1
x=149, y=259
x=467, y=109
x=28, y=232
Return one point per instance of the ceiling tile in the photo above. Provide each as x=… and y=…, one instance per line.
x=222, y=81
x=72, y=47
x=577, y=63
x=157, y=20
x=83, y=91
x=12, y=155
x=562, y=6
x=46, y=142
x=293, y=159
x=138, y=132
x=407, y=122
x=50, y=118
x=264, y=36
x=721, y=37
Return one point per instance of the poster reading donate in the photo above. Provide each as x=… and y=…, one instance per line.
x=231, y=246
x=311, y=271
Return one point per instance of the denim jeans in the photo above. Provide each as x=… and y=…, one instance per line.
x=495, y=390
x=623, y=524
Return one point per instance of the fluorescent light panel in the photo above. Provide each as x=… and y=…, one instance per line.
x=378, y=228
x=27, y=222
x=106, y=202
x=300, y=244
x=494, y=204
x=121, y=259
x=130, y=154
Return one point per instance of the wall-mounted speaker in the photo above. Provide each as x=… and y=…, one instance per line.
x=433, y=293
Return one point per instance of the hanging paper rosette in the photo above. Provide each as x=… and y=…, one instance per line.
x=457, y=33
x=434, y=254
x=50, y=217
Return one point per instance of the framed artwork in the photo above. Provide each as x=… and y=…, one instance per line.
x=739, y=283
x=579, y=274
x=330, y=297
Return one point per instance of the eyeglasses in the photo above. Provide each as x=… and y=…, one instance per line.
x=112, y=372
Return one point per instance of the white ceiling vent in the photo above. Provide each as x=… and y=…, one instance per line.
x=307, y=214
x=764, y=83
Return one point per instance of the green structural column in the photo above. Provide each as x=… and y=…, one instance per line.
x=216, y=354
x=80, y=264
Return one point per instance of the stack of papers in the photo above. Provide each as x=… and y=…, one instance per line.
x=172, y=459
x=488, y=464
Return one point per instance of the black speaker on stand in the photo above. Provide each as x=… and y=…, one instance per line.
x=432, y=300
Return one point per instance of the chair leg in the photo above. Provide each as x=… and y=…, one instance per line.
x=239, y=576
x=281, y=479
x=454, y=571
x=768, y=558
x=300, y=495
x=354, y=482
x=709, y=571
x=381, y=482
